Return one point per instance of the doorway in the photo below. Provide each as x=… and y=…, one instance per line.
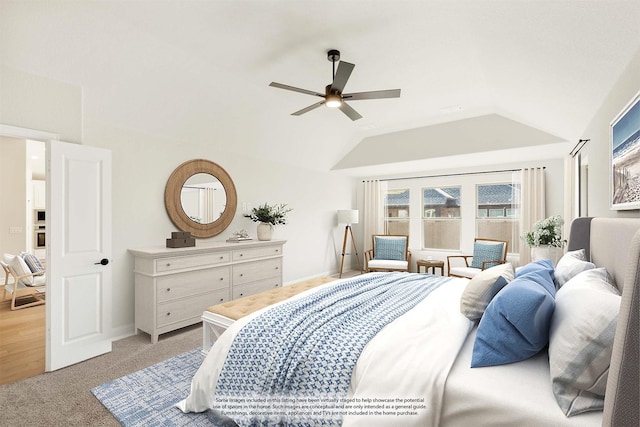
x=22, y=188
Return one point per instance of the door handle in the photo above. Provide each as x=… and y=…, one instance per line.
x=103, y=261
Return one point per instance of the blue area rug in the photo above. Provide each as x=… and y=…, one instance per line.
x=147, y=397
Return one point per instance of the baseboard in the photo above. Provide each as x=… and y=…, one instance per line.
x=122, y=332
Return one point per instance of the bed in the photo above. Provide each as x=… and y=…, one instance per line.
x=415, y=370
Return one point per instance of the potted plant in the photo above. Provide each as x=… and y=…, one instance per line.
x=267, y=216
x=545, y=239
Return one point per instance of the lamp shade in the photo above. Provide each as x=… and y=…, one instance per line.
x=348, y=216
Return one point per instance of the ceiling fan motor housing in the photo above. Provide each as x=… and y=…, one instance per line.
x=333, y=55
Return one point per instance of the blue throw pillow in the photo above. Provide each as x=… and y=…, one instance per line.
x=390, y=247
x=540, y=265
x=515, y=325
x=486, y=252
x=33, y=263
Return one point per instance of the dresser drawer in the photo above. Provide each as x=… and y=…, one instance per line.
x=191, y=261
x=183, y=309
x=192, y=283
x=256, y=287
x=261, y=252
x=253, y=271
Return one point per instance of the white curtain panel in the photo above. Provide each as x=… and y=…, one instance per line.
x=373, y=215
x=207, y=205
x=532, y=204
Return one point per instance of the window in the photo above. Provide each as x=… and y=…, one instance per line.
x=396, y=211
x=441, y=220
x=497, y=213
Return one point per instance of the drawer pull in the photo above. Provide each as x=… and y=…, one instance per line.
x=168, y=289
x=241, y=295
x=168, y=313
x=277, y=268
x=222, y=278
x=241, y=274
x=221, y=257
x=241, y=254
x=221, y=299
x=168, y=264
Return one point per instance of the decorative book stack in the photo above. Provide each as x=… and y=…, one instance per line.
x=181, y=239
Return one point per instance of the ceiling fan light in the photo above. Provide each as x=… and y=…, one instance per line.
x=333, y=100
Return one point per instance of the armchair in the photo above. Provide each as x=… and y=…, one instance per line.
x=486, y=253
x=388, y=253
x=27, y=287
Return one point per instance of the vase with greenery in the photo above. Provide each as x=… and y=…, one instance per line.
x=267, y=216
x=546, y=239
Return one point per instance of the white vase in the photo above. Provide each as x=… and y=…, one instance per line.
x=546, y=252
x=265, y=231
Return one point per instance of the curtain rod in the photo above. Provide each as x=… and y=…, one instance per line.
x=575, y=150
x=455, y=174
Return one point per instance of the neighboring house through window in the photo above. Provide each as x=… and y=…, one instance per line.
x=441, y=218
x=498, y=214
x=396, y=211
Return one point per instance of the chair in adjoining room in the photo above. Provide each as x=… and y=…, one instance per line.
x=486, y=253
x=27, y=287
x=389, y=253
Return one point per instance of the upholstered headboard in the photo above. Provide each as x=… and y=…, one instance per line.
x=614, y=243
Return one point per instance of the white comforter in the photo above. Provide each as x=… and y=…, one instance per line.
x=404, y=366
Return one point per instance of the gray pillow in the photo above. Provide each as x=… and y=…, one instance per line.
x=571, y=264
x=581, y=340
x=482, y=288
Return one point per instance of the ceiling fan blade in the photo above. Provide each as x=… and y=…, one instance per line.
x=307, y=109
x=350, y=112
x=296, y=89
x=376, y=94
x=341, y=77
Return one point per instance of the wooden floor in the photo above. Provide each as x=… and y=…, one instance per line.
x=22, y=342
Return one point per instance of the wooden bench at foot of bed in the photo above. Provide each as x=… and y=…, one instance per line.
x=217, y=318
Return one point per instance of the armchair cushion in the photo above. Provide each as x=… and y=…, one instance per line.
x=468, y=272
x=391, y=264
x=486, y=251
x=390, y=248
x=21, y=269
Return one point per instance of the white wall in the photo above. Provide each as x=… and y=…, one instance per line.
x=142, y=164
x=598, y=150
x=13, y=191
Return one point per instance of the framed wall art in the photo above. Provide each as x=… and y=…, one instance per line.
x=625, y=157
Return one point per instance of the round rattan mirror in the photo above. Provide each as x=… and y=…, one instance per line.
x=200, y=198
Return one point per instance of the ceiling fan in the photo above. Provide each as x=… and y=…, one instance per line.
x=333, y=96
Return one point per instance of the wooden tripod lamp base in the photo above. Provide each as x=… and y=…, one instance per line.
x=348, y=217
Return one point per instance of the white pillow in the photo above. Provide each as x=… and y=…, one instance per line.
x=581, y=340
x=21, y=268
x=482, y=288
x=571, y=264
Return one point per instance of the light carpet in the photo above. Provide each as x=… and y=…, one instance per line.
x=147, y=397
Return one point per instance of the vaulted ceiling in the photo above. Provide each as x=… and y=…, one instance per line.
x=200, y=70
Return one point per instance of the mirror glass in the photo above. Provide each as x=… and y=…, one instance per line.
x=200, y=198
x=203, y=198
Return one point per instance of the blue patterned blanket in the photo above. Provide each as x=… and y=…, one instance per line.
x=308, y=347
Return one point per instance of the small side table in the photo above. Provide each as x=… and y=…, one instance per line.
x=431, y=264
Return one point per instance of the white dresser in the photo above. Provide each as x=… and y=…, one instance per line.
x=173, y=286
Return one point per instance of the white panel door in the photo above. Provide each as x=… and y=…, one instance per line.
x=78, y=227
